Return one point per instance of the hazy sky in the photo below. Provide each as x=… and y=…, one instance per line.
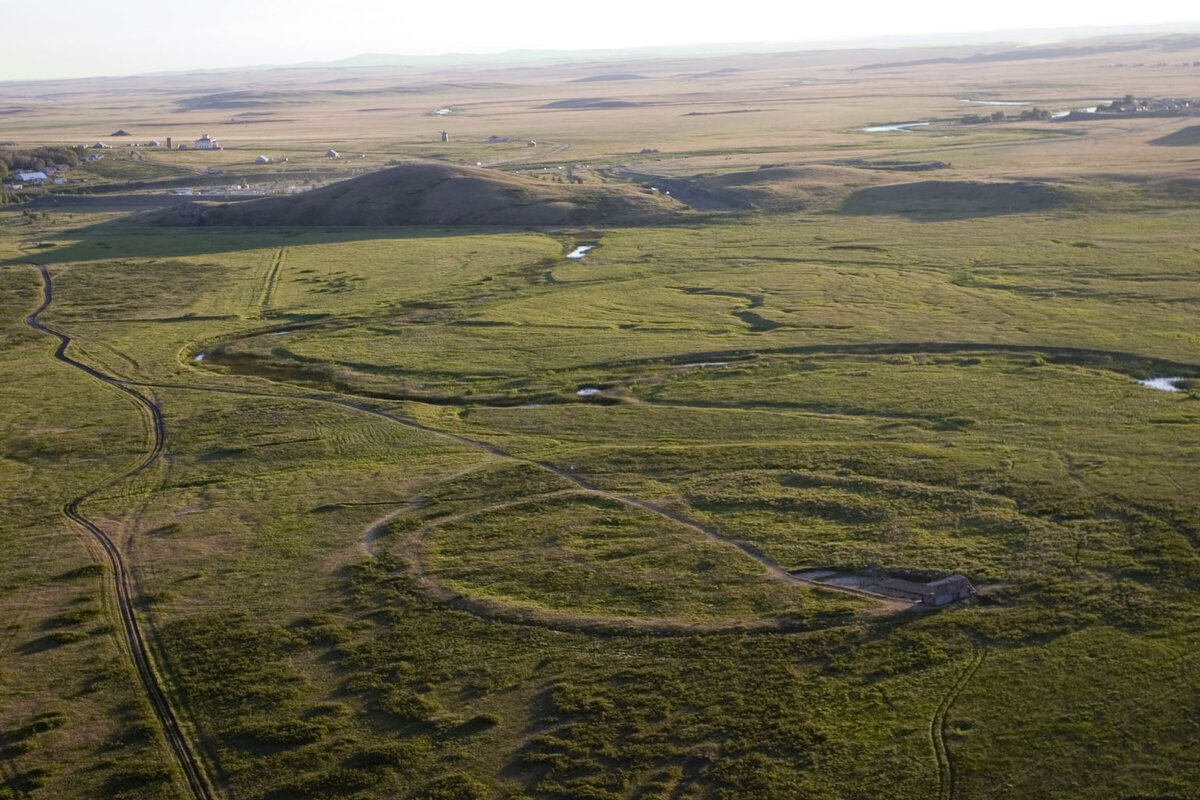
x=70, y=38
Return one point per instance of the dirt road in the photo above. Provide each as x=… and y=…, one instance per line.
x=134, y=640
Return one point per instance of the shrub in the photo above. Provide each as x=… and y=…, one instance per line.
x=455, y=786
x=279, y=732
x=407, y=705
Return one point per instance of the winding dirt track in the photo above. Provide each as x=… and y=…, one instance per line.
x=937, y=725
x=139, y=650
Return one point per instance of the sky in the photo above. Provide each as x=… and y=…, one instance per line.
x=80, y=38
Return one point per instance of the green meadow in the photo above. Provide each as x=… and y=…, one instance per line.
x=435, y=512
x=391, y=552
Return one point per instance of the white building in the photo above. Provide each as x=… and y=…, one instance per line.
x=205, y=143
x=35, y=178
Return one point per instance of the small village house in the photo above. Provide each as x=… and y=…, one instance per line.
x=205, y=142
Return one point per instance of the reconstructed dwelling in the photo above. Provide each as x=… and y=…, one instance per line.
x=935, y=593
x=947, y=590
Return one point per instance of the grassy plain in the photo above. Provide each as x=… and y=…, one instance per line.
x=390, y=551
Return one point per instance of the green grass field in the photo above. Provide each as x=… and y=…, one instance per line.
x=390, y=550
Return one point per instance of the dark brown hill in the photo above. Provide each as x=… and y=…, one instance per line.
x=1182, y=137
x=435, y=194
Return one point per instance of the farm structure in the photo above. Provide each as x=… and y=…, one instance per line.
x=207, y=143
x=916, y=588
x=947, y=590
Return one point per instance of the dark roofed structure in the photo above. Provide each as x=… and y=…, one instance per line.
x=947, y=590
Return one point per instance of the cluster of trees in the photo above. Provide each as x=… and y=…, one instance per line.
x=1125, y=103
x=1034, y=113
x=38, y=158
x=975, y=119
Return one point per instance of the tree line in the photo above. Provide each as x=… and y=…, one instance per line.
x=38, y=158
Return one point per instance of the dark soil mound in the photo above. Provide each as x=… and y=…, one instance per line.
x=589, y=102
x=955, y=198
x=622, y=76
x=433, y=194
x=1182, y=137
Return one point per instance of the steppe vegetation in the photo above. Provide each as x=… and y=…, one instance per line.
x=442, y=514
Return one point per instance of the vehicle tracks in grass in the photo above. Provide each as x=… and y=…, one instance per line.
x=937, y=725
x=272, y=280
x=131, y=630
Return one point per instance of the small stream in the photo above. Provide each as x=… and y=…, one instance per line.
x=1162, y=384
x=902, y=127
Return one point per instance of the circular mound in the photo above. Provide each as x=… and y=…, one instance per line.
x=583, y=554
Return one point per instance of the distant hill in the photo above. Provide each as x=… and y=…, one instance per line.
x=1182, y=137
x=435, y=194
x=963, y=198
x=589, y=102
x=618, y=76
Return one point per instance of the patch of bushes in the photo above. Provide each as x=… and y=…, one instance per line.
x=455, y=786
x=281, y=732
x=133, y=779
x=407, y=705
x=46, y=721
